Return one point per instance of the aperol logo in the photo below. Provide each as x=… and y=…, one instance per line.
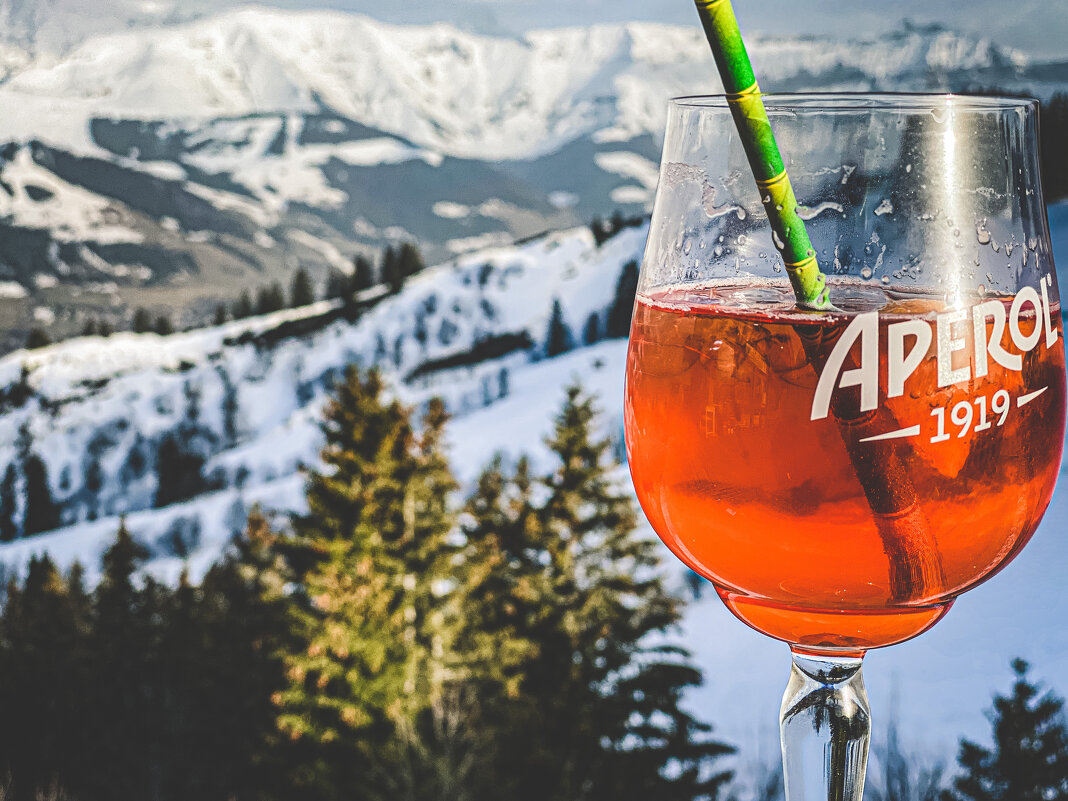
x=959, y=357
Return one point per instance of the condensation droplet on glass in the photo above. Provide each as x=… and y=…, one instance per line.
x=766, y=199
x=701, y=243
x=1009, y=248
x=742, y=213
x=742, y=239
x=886, y=207
x=886, y=279
x=865, y=273
x=687, y=246
x=956, y=232
x=777, y=267
x=982, y=234
x=778, y=207
x=908, y=168
x=762, y=254
x=717, y=251
x=990, y=278
x=1033, y=244
x=982, y=290
x=994, y=244
x=720, y=239
x=777, y=240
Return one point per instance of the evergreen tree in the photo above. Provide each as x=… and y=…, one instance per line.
x=163, y=326
x=390, y=270
x=302, y=291
x=338, y=285
x=104, y=328
x=37, y=338
x=142, y=321
x=243, y=307
x=568, y=600
x=270, y=299
x=124, y=663
x=622, y=307
x=41, y=511
x=179, y=470
x=558, y=338
x=1029, y=760
x=591, y=334
x=90, y=328
x=410, y=260
x=220, y=314
x=363, y=274
x=373, y=553
x=43, y=680
x=8, y=504
x=245, y=625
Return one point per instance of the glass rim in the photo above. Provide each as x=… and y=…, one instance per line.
x=865, y=101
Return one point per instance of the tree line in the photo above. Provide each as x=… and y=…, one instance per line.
x=393, y=643
x=390, y=643
x=396, y=265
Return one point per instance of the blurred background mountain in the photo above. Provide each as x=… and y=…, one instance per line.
x=171, y=156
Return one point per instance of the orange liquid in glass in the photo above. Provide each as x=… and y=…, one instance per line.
x=819, y=532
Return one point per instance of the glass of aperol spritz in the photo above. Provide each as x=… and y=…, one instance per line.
x=841, y=476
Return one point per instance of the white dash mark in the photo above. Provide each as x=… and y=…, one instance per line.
x=1023, y=400
x=911, y=431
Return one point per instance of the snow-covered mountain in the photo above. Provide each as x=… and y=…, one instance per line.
x=243, y=399
x=171, y=163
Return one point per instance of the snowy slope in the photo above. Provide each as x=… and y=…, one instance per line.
x=937, y=685
x=244, y=397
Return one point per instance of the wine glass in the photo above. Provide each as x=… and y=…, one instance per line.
x=842, y=476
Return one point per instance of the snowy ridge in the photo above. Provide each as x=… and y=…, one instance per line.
x=459, y=93
x=245, y=397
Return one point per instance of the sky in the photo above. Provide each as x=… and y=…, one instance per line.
x=1039, y=27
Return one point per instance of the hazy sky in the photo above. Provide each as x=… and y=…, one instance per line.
x=1037, y=26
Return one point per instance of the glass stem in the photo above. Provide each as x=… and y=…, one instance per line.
x=825, y=726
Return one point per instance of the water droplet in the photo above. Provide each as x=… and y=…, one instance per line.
x=777, y=268
x=762, y=254
x=908, y=168
x=982, y=290
x=777, y=240
x=1009, y=248
x=742, y=239
x=886, y=279
x=742, y=213
x=717, y=251
x=687, y=246
x=766, y=199
x=956, y=232
x=982, y=234
x=1033, y=244
x=701, y=244
x=865, y=273
x=778, y=207
x=994, y=244
x=886, y=207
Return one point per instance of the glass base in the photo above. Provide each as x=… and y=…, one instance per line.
x=825, y=726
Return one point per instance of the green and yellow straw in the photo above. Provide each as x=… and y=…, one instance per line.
x=765, y=160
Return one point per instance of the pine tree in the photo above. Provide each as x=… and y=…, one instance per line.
x=42, y=680
x=37, y=338
x=245, y=624
x=8, y=504
x=623, y=304
x=90, y=328
x=163, y=326
x=220, y=314
x=243, y=307
x=124, y=664
x=410, y=260
x=558, y=338
x=591, y=334
x=302, y=291
x=270, y=299
x=179, y=471
x=568, y=600
x=1029, y=760
x=142, y=321
x=390, y=270
x=42, y=512
x=1054, y=130
x=363, y=274
x=373, y=553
